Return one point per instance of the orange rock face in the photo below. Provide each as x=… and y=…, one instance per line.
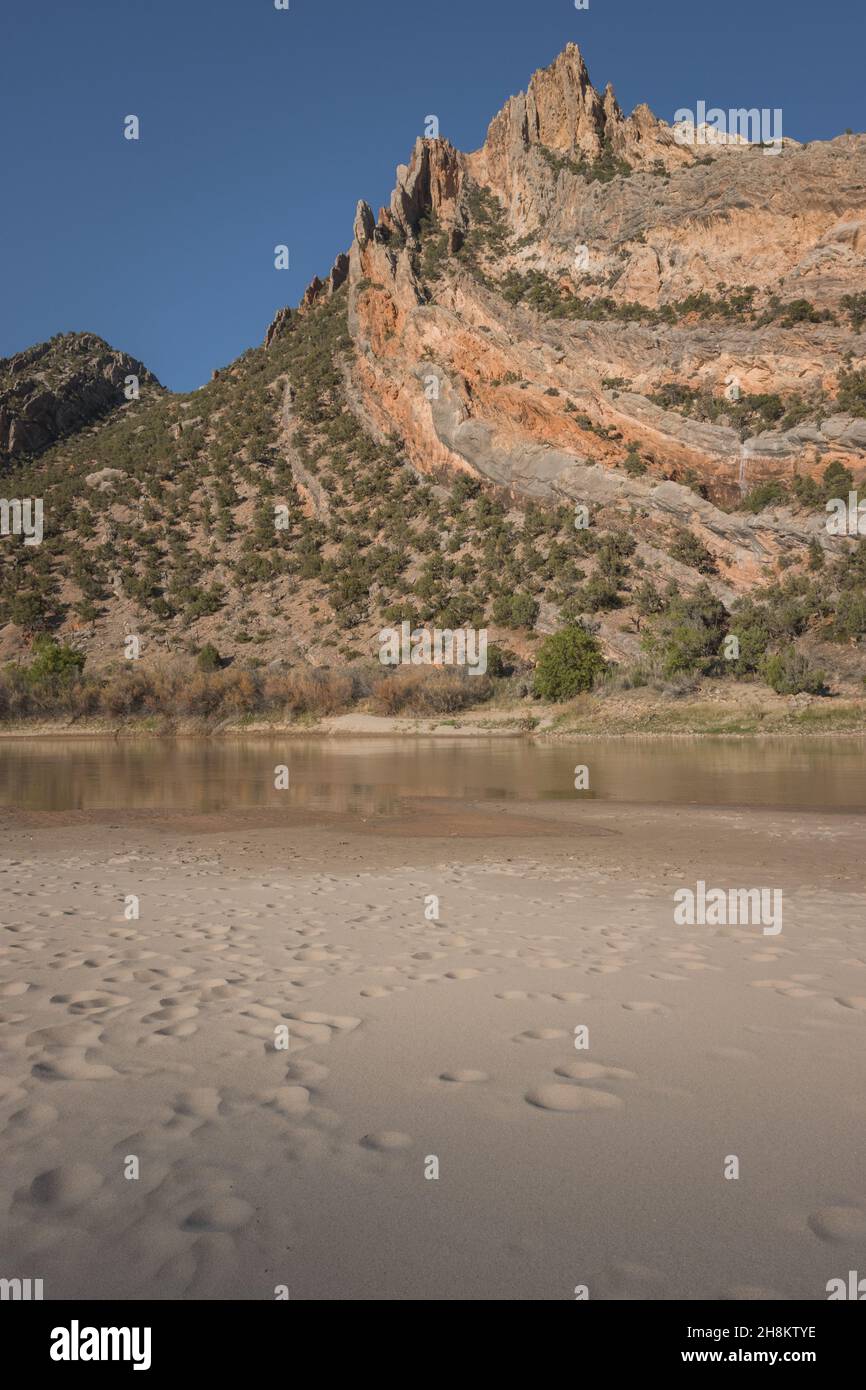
x=521, y=311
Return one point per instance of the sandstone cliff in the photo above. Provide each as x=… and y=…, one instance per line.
x=582, y=266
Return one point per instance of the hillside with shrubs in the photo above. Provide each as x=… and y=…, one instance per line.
x=617, y=464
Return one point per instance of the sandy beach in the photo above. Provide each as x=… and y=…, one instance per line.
x=154, y=1047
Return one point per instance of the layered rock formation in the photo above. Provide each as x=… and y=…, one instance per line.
x=657, y=240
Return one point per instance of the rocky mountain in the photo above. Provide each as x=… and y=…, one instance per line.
x=59, y=387
x=584, y=279
x=589, y=371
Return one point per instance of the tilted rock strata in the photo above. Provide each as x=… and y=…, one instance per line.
x=687, y=220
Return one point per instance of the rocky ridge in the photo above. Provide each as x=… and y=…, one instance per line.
x=610, y=209
x=56, y=388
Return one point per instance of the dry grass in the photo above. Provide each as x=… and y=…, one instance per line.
x=309, y=692
x=426, y=690
x=175, y=690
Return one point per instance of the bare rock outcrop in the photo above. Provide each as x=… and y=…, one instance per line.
x=324, y=289
x=58, y=387
x=667, y=236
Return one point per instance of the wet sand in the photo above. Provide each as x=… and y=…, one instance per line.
x=411, y=1039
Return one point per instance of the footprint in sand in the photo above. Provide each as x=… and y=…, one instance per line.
x=56, y=1063
x=308, y=1029
x=218, y=988
x=594, y=1071
x=173, y=1013
x=386, y=1141
x=553, y=1095
x=33, y=1117
x=90, y=1003
x=303, y=1035
x=203, y=1103
x=539, y=1035
x=286, y=1100
x=465, y=1076
x=306, y=1073
x=341, y=1023
x=839, y=1225
x=65, y=1188
x=219, y=1214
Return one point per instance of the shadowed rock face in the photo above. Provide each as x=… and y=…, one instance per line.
x=58, y=387
x=545, y=399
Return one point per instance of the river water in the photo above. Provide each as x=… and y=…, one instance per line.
x=373, y=775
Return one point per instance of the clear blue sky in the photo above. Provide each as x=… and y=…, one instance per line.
x=261, y=127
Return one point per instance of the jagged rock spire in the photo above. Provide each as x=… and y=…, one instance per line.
x=560, y=109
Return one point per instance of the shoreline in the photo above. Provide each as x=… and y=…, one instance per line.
x=597, y=724
x=428, y=830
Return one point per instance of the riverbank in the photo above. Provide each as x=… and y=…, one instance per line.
x=714, y=710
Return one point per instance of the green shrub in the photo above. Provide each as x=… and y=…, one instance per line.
x=515, y=610
x=764, y=495
x=54, y=665
x=647, y=599
x=524, y=610
x=690, y=550
x=208, y=658
x=633, y=463
x=816, y=556
x=501, y=661
x=569, y=661
x=598, y=594
x=687, y=637
x=838, y=481
x=852, y=393
x=855, y=307
x=790, y=673
x=850, y=621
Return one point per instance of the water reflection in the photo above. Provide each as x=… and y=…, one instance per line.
x=370, y=776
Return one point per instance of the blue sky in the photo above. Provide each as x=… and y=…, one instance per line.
x=261, y=127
